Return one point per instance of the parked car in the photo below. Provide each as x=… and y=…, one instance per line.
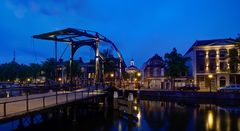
x=189, y=88
x=230, y=88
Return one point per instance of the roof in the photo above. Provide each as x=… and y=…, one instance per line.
x=132, y=68
x=150, y=61
x=214, y=42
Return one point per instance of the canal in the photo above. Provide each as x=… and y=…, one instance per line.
x=152, y=115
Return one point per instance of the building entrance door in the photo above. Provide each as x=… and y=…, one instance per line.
x=222, y=81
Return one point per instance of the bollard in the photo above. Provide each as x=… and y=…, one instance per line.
x=123, y=92
x=8, y=94
x=130, y=97
x=130, y=103
x=115, y=95
x=138, y=93
x=115, y=100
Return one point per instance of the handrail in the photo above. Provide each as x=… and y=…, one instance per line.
x=43, y=98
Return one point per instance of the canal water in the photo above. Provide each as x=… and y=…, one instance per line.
x=150, y=116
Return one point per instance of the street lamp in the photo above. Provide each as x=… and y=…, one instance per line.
x=111, y=75
x=210, y=76
x=138, y=74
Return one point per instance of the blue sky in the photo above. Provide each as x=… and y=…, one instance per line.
x=140, y=28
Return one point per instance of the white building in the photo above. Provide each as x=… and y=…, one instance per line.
x=211, y=64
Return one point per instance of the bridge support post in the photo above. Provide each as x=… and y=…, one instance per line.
x=71, y=64
x=74, y=113
x=130, y=103
x=115, y=100
x=97, y=64
x=20, y=125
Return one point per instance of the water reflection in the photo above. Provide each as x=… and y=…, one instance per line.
x=157, y=116
x=160, y=115
x=209, y=120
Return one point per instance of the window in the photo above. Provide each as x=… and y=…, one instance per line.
x=212, y=66
x=212, y=53
x=223, y=66
x=200, y=54
x=201, y=68
x=223, y=53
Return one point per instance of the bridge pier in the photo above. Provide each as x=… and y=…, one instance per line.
x=20, y=125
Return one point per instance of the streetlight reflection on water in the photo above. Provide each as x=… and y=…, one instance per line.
x=210, y=120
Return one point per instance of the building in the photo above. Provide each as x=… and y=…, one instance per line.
x=212, y=64
x=134, y=76
x=153, y=73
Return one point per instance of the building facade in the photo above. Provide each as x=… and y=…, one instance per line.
x=134, y=75
x=153, y=73
x=212, y=63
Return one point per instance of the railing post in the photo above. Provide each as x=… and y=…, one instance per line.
x=66, y=97
x=75, y=95
x=27, y=101
x=4, y=109
x=43, y=102
x=82, y=94
x=88, y=92
x=56, y=97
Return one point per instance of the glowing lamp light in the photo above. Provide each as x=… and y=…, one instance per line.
x=210, y=120
x=139, y=74
x=28, y=79
x=210, y=76
x=59, y=79
x=112, y=75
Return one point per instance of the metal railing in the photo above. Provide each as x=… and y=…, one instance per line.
x=30, y=103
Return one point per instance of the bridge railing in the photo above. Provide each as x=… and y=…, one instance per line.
x=24, y=104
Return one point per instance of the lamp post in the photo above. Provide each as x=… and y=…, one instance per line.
x=139, y=82
x=111, y=75
x=210, y=76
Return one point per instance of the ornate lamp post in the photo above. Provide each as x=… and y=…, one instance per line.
x=210, y=76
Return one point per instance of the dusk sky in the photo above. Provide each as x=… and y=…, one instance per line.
x=139, y=28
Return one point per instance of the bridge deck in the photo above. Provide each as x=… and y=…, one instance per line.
x=14, y=106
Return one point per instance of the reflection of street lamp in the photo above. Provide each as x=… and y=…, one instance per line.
x=210, y=76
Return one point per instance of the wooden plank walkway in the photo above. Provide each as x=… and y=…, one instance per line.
x=14, y=106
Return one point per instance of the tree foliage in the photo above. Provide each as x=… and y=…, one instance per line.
x=175, y=64
x=11, y=71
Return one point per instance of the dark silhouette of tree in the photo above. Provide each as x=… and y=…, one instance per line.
x=35, y=70
x=110, y=62
x=76, y=68
x=175, y=65
x=49, y=67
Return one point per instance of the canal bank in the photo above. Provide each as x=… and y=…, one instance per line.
x=156, y=94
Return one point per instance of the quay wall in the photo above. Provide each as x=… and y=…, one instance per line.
x=152, y=94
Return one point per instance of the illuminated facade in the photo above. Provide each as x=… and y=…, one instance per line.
x=153, y=73
x=134, y=75
x=211, y=64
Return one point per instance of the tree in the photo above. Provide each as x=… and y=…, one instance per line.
x=175, y=65
x=110, y=62
x=75, y=68
x=49, y=67
x=35, y=70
